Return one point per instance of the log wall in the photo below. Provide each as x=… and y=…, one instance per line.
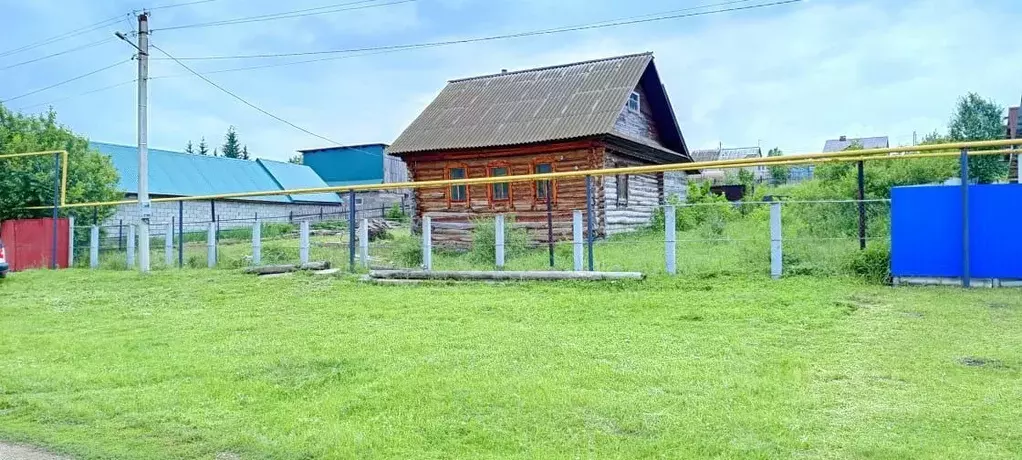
x=645, y=194
x=453, y=221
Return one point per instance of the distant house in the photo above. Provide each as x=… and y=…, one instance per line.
x=597, y=114
x=717, y=175
x=805, y=172
x=176, y=174
x=360, y=165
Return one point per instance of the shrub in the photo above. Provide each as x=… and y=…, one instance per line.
x=395, y=212
x=872, y=264
x=330, y=225
x=484, y=240
x=408, y=252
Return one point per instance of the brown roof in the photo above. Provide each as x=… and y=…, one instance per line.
x=538, y=105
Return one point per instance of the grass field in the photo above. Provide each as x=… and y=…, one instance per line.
x=189, y=364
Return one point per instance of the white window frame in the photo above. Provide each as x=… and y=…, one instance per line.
x=637, y=98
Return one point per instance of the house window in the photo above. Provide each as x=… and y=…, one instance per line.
x=622, y=190
x=633, y=101
x=543, y=186
x=500, y=191
x=459, y=193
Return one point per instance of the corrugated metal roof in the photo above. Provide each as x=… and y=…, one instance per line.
x=291, y=176
x=182, y=174
x=718, y=154
x=837, y=145
x=537, y=105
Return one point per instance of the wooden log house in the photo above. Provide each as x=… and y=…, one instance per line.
x=589, y=115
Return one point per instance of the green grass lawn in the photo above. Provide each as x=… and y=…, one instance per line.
x=188, y=364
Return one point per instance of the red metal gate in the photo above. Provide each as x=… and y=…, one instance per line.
x=29, y=243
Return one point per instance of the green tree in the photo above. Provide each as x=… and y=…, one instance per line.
x=189, y=148
x=28, y=181
x=244, y=153
x=978, y=119
x=778, y=174
x=297, y=159
x=203, y=148
x=231, y=147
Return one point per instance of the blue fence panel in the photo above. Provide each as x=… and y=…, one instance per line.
x=926, y=231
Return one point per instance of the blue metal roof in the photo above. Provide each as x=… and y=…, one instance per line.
x=291, y=176
x=347, y=165
x=183, y=174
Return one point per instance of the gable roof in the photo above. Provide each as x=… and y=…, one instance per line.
x=182, y=174
x=562, y=102
x=837, y=145
x=718, y=154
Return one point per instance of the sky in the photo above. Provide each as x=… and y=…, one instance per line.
x=788, y=76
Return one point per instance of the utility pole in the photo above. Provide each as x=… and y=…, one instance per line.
x=144, y=205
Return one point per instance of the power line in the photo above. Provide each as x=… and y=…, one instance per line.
x=56, y=38
x=105, y=88
x=290, y=14
x=175, y=5
x=60, y=53
x=66, y=81
x=599, y=25
x=241, y=99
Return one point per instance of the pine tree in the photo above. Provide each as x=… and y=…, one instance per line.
x=189, y=148
x=214, y=152
x=231, y=147
x=203, y=148
x=244, y=153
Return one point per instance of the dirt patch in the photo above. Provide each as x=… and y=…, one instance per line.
x=22, y=452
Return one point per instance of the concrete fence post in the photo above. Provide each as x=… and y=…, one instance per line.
x=211, y=245
x=168, y=245
x=776, y=255
x=131, y=246
x=257, y=242
x=363, y=243
x=94, y=247
x=577, y=241
x=499, y=240
x=427, y=243
x=670, y=238
x=70, y=242
x=303, y=243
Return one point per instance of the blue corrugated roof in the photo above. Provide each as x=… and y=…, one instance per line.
x=183, y=174
x=292, y=176
x=347, y=164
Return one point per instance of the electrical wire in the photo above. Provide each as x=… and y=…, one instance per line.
x=105, y=88
x=175, y=5
x=66, y=81
x=61, y=53
x=56, y=38
x=289, y=14
x=590, y=26
x=241, y=99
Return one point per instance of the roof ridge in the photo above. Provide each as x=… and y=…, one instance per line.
x=558, y=66
x=176, y=153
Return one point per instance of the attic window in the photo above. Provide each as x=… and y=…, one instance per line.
x=633, y=101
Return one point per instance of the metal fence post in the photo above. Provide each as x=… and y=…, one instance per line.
x=180, y=234
x=499, y=240
x=576, y=231
x=966, y=274
x=56, y=209
x=351, y=230
x=211, y=245
x=589, y=219
x=363, y=242
x=776, y=256
x=862, y=205
x=94, y=247
x=670, y=237
x=70, y=241
x=120, y=235
x=131, y=245
x=550, y=220
x=303, y=243
x=257, y=242
x=427, y=243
